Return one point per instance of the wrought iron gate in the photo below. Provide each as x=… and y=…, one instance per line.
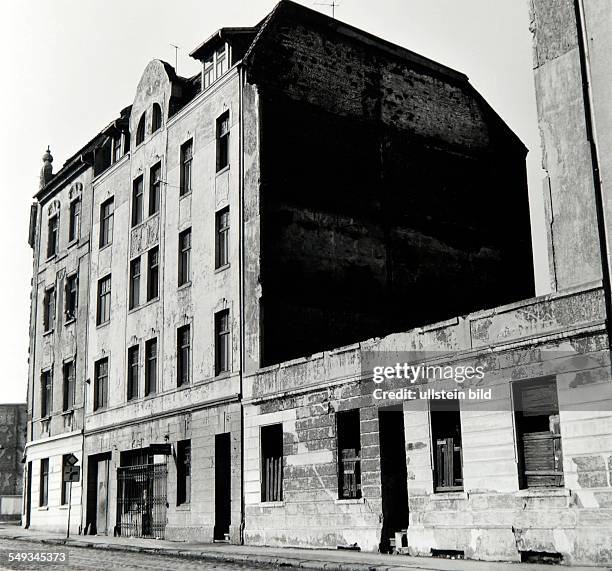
x=142, y=500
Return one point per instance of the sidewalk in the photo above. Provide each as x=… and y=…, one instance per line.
x=330, y=560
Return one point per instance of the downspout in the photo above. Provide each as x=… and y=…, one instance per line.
x=585, y=71
x=240, y=285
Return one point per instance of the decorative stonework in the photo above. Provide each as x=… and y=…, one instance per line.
x=54, y=207
x=76, y=190
x=144, y=236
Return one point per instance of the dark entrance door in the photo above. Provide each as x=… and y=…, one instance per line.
x=28, y=498
x=222, y=486
x=97, y=494
x=393, y=474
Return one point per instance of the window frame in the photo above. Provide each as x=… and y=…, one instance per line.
x=349, y=440
x=153, y=273
x=272, y=461
x=49, y=309
x=134, y=283
x=446, y=447
x=46, y=393
x=223, y=337
x=52, y=236
x=150, y=388
x=186, y=168
x=183, y=472
x=222, y=236
x=43, y=483
x=71, y=297
x=222, y=131
x=104, y=301
x=107, y=219
x=141, y=129
x=74, y=220
x=184, y=257
x=68, y=385
x=138, y=201
x=133, y=370
x=155, y=181
x=100, y=396
x=157, y=118
x=183, y=355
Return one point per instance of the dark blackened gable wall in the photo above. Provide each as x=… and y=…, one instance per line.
x=392, y=195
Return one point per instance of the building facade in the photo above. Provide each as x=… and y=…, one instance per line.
x=206, y=270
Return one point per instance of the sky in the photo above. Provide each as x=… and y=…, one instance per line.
x=70, y=66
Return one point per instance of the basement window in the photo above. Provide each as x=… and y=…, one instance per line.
x=538, y=434
x=272, y=463
x=349, y=454
x=446, y=439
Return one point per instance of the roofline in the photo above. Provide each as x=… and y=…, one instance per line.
x=220, y=34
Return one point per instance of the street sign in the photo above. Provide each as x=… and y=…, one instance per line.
x=71, y=459
x=72, y=473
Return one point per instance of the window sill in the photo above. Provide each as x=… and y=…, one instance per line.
x=51, y=258
x=223, y=375
x=72, y=243
x=450, y=495
x=280, y=504
x=222, y=268
x=543, y=492
x=45, y=418
x=63, y=507
x=43, y=508
x=185, y=285
x=105, y=246
x=183, y=507
x=101, y=325
x=185, y=194
x=223, y=170
x=48, y=332
x=345, y=501
x=68, y=412
x=142, y=306
x=69, y=321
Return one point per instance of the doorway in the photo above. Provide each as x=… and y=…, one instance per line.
x=97, y=494
x=394, y=482
x=222, y=487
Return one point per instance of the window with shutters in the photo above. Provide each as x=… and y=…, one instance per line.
x=349, y=454
x=538, y=433
x=183, y=472
x=272, y=463
x=446, y=444
x=69, y=383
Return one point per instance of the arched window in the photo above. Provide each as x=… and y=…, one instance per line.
x=140, y=132
x=157, y=117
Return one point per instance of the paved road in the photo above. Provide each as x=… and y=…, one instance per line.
x=89, y=558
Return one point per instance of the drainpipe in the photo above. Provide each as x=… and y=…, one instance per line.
x=585, y=70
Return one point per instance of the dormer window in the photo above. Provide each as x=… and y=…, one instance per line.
x=215, y=66
x=140, y=132
x=117, y=148
x=157, y=117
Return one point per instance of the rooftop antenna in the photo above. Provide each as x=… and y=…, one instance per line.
x=332, y=3
x=176, y=49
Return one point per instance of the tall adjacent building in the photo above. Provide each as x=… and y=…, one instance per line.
x=208, y=266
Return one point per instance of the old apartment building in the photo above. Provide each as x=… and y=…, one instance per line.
x=208, y=267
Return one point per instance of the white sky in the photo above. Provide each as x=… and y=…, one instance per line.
x=70, y=66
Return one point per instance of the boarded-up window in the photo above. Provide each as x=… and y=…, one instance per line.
x=446, y=438
x=349, y=454
x=272, y=463
x=538, y=434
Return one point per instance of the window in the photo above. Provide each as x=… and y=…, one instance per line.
x=223, y=129
x=52, y=237
x=134, y=295
x=183, y=472
x=157, y=118
x=65, y=483
x=538, y=434
x=49, y=309
x=151, y=367
x=132, y=381
x=43, y=488
x=349, y=454
x=117, y=148
x=104, y=300
x=107, y=210
x=153, y=273
x=183, y=355
x=272, y=463
x=137, y=201
x=71, y=297
x=446, y=444
x=184, y=262
x=222, y=342
x=140, y=131
x=186, y=166
x=209, y=71
x=100, y=384
x=221, y=61
x=69, y=385
x=46, y=394
x=215, y=66
x=74, y=221
x=222, y=245
x=154, y=188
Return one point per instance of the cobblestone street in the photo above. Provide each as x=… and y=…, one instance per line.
x=90, y=558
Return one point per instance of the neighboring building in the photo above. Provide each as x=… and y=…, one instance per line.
x=12, y=445
x=312, y=187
